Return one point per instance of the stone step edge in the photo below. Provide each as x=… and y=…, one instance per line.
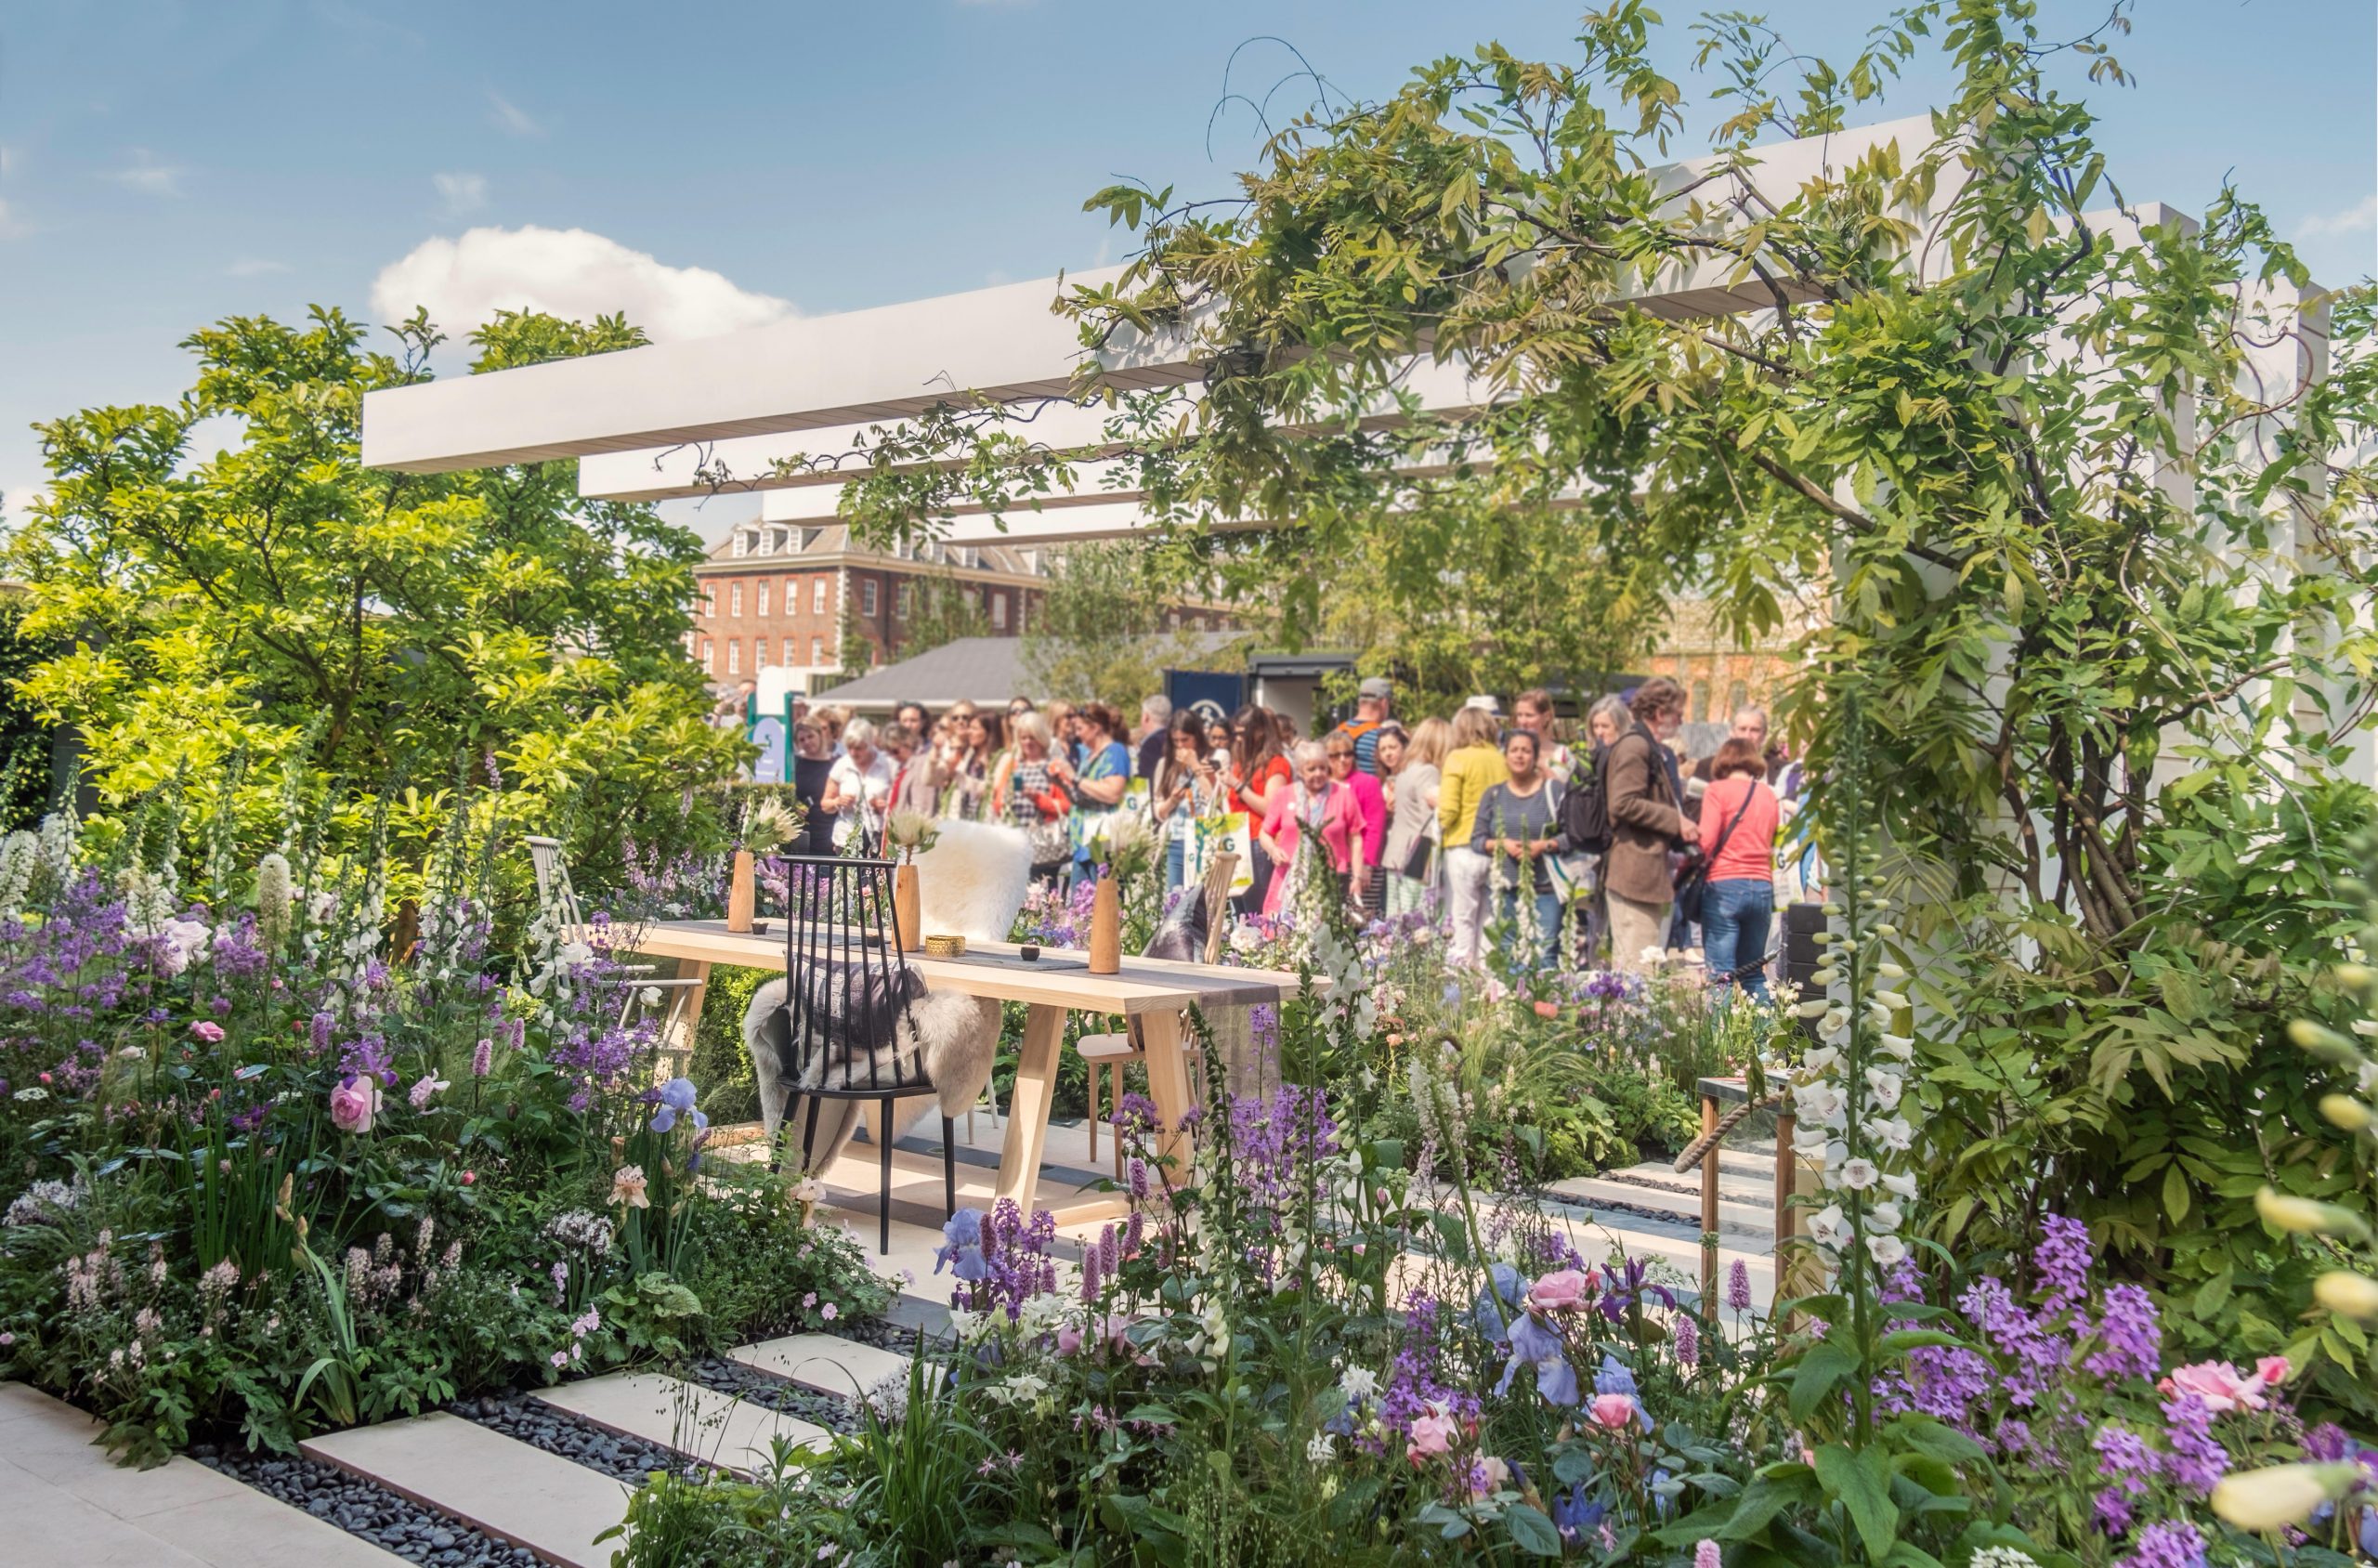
x=419, y=1499
x=697, y=1456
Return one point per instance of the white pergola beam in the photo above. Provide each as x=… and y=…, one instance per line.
x=895, y=361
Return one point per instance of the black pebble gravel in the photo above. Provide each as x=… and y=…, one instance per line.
x=533, y=1421
x=360, y=1508
x=734, y=1378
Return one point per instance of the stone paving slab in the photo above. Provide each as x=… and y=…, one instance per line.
x=67, y=1503
x=514, y=1492
x=704, y=1423
x=824, y=1362
x=1734, y=1218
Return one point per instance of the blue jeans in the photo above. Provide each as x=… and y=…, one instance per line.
x=1176, y=864
x=1548, y=926
x=1734, y=918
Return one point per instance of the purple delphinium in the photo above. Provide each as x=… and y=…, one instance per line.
x=2061, y=1263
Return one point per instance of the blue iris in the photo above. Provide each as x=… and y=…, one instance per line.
x=1534, y=1345
x=961, y=1246
x=1485, y=1315
x=678, y=1096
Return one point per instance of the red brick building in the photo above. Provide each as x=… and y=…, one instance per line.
x=773, y=594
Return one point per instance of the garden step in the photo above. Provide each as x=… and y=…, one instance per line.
x=826, y=1362
x=701, y=1423
x=67, y=1503
x=517, y=1492
x=1750, y=1220
x=1731, y=1187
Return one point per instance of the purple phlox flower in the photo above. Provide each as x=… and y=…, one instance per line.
x=2169, y=1543
x=2062, y=1263
x=2130, y=1335
x=2194, y=1458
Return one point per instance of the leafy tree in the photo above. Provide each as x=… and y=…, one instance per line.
x=221, y=617
x=2095, y=569
x=1103, y=630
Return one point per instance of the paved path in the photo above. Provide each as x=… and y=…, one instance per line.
x=68, y=1504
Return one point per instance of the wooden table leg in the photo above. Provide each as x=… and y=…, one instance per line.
x=1786, y=1180
x=1709, y=1202
x=1027, y=1110
x=1168, y=1085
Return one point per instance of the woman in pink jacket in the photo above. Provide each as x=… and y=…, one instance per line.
x=1370, y=800
x=1317, y=803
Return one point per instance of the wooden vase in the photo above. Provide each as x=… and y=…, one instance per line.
x=1106, y=928
x=907, y=909
x=742, y=893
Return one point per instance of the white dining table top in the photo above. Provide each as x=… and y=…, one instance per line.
x=1060, y=978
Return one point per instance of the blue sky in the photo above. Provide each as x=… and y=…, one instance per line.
x=164, y=164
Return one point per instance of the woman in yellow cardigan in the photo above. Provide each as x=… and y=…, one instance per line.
x=1472, y=767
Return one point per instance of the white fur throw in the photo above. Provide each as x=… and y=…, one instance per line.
x=957, y=1035
x=973, y=880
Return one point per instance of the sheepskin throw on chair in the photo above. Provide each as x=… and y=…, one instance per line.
x=954, y=1037
x=973, y=880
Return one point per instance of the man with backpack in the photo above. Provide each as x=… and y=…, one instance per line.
x=1372, y=700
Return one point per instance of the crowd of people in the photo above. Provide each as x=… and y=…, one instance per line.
x=1608, y=846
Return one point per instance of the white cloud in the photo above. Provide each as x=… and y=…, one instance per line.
x=462, y=193
x=255, y=266
x=147, y=176
x=2361, y=216
x=509, y=117
x=567, y=272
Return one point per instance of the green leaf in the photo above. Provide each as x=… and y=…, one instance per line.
x=1530, y=1531
x=1817, y=1374
x=1862, y=1482
x=2175, y=1194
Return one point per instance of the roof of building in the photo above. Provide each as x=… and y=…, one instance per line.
x=981, y=670
x=814, y=543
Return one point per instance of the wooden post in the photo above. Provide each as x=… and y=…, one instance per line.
x=1709, y=1201
x=1786, y=1180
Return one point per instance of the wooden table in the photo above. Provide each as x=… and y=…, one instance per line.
x=1153, y=992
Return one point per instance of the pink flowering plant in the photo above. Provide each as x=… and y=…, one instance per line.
x=223, y=1083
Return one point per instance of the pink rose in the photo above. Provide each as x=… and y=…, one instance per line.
x=354, y=1103
x=2220, y=1385
x=2273, y=1370
x=1560, y=1292
x=1431, y=1434
x=208, y=1030
x=1611, y=1410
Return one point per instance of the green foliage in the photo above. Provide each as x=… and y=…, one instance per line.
x=277, y=605
x=2094, y=542
x=1101, y=629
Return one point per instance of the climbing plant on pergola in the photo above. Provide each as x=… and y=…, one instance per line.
x=2060, y=465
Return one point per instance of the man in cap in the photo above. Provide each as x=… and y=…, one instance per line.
x=1373, y=699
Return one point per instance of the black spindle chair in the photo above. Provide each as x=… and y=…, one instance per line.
x=848, y=991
